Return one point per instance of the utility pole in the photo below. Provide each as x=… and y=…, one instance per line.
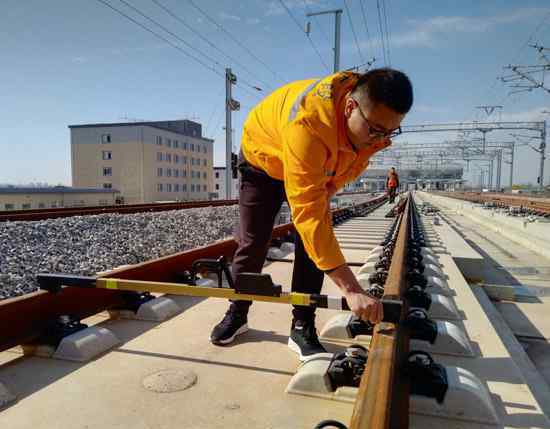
x=542, y=155
x=499, y=169
x=337, y=26
x=512, y=154
x=230, y=105
x=492, y=174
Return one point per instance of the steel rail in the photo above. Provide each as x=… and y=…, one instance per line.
x=52, y=213
x=24, y=318
x=538, y=204
x=383, y=397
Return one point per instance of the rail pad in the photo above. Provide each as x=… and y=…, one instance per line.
x=155, y=310
x=450, y=339
x=81, y=346
x=311, y=380
x=467, y=398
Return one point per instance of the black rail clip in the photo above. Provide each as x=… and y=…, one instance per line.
x=427, y=377
x=346, y=368
x=60, y=328
x=134, y=300
x=421, y=327
x=256, y=284
x=357, y=326
x=418, y=298
x=216, y=266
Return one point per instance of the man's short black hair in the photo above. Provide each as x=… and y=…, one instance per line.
x=386, y=86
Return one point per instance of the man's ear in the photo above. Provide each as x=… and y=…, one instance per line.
x=348, y=107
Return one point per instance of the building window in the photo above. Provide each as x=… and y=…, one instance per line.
x=168, y=142
x=159, y=156
x=168, y=187
x=184, y=145
x=204, y=174
x=159, y=172
x=192, y=187
x=192, y=147
x=8, y=206
x=184, y=173
x=217, y=187
x=177, y=187
x=185, y=160
x=159, y=187
x=176, y=144
x=107, y=171
x=106, y=155
x=168, y=172
x=159, y=140
x=176, y=173
x=169, y=157
x=41, y=205
x=204, y=162
x=176, y=159
x=54, y=205
x=204, y=149
x=107, y=186
x=184, y=187
x=105, y=138
x=217, y=174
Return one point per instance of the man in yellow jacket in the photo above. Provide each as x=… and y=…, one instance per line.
x=302, y=143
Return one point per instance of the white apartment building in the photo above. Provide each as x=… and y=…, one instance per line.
x=219, y=185
x=144, y=161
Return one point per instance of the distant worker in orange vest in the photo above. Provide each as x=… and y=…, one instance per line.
x=301, y=144
x=392, y=184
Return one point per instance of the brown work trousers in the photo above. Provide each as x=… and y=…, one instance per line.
x=260, y=199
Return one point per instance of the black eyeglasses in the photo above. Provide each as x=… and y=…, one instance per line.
x=373, y=131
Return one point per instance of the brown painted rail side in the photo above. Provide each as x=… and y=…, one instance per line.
x=41, y=214
x=383, y=397
x=24, y=318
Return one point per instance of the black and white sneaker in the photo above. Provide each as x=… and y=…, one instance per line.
x=234, y=323
x=304, y=340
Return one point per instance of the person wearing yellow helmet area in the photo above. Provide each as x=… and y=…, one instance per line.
x=301, y=144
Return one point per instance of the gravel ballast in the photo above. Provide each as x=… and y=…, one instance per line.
x=85, y=245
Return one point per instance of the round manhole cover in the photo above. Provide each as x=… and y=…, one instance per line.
x=170, y=380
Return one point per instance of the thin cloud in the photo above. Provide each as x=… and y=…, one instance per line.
x=430, y=32
x=80, y=60
x=531, y=115
x=228, y=17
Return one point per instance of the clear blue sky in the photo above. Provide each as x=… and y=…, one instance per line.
x=77, y=61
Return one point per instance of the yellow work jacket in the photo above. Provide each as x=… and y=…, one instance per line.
x=297, y=134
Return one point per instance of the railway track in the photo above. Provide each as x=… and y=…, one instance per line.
x=52, y=213
x=41, y=214
x=29, y=315
x=521, y=204
x=386, y=374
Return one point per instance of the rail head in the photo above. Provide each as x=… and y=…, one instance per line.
x=383, y=397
